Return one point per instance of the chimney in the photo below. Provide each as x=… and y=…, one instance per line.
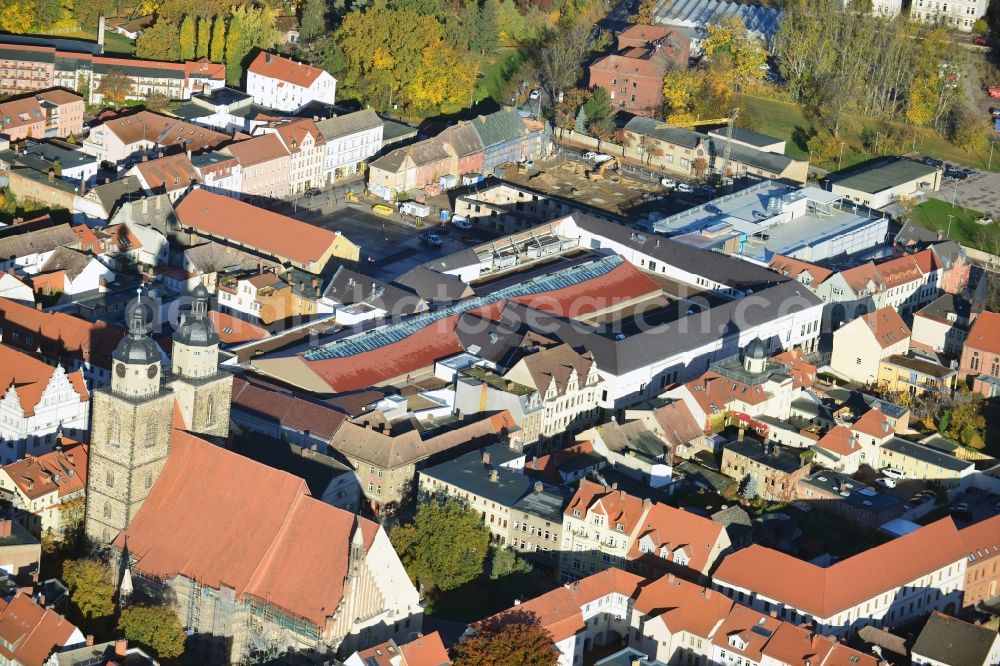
x=494, y=475
x=636, y=661
x=41, y=600
x=260, y=267
x=18, y=220
x=157, y=203
x=189, y=153
x=368, y=426
x=315, y=283
x=267, y=57
x=145, y=205
x=742, y=432
x=125, y=180
x=539, y=487
x=6, y=527
x=90, y=639
x=647, y=503
x=614, y=485
x=145, y=157
x=121, y=648
x=486, y=457
x=106, y=180
x=52, y=175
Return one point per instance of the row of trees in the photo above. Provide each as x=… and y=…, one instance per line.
x=221, y=38
x=835, y=59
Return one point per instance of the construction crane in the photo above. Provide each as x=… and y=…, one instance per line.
x=729, y=122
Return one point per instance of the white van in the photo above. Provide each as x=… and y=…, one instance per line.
x=415, y=209
x=893, y=473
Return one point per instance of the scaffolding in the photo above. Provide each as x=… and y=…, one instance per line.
x=261, y=618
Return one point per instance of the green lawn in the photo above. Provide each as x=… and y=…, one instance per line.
x=113, y=42
x=499, y=68
x=933, y=214
x=787, y=121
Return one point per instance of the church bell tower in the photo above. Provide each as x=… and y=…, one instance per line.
x=130, y=430
x=203, y=392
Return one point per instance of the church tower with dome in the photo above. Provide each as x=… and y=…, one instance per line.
x=202, y=391
x=130, y=430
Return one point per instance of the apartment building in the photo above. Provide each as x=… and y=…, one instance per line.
x=552, y=393
x=521, y=513
x=957, y=14
x=265, y=165
x=980, y=360
x=606, y=527
x=27, y=67
x=860, y=345
x=125, y=139
x=918, y=461
x=47, y=113
x=307, y=151
x=281, y=83
x=982, y=571
x=885, y=586
x=774, y=470
x=351, y=140
x=943, y=325
x=49, y=489
x=40, y=402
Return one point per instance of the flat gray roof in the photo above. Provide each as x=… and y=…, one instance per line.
x=878, y=176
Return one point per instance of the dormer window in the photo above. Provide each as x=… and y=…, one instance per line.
x=620, y=527
x=576, y=513
x=737, y=642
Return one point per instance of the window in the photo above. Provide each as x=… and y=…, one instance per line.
x=107, y=509
x=109, y=478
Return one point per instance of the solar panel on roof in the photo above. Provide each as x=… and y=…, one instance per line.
x=385, y=335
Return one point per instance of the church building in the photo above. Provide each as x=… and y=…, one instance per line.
x=254, y=566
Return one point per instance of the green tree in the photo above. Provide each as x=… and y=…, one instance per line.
x=91, y=587
x=422, y=7
x=506, y=562
x=968, y=129
x=750, y=488
x=17, y=15
x=159, y=42
x=204, y=37
x=48, y=12
x=445, y=545
x=487, y=35
x=598, y=107
x=156, y=102
x=980, y=28
x=512, y=638
x=562, y=57
x=234, y=50
x=312, y=24
x=154, y=627
x=967, y=422
x=187, y=38
x=115, y=87
x=217, y=48
x=582, y=122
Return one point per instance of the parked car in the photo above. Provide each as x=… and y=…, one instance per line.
x=885, y=482
x=668, y=182
x=589, y=156
x=534, y=94
x=312, y=191
x=461, y=222
x=980, y=41
x=933, y=162
x=995, y=111
x=432, y=240
x=893, y=473
x=685, y=188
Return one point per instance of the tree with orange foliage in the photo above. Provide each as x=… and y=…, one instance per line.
x=515, y=637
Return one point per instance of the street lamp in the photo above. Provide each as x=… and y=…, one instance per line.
x=989, y=164
x=948, y=235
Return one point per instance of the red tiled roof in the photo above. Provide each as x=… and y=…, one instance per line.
x=60, y=334
x=985, y=333
x=982, y=540
x=233, y=330
x=207, y=519
x=684, y=606
x=62, y=472
x=426, y=650
x=283, y=237
x=898, y=271
x=714, y=392
x=172, y=172
x=619, y=507
x=559, y=610
x=29, y=376
x=34, y=633
x=624, y=283
x=547, y=467
x=873, y=423
x=861, y=278
x=257, y=149
x=675, y=530
x=886, y=326
x=741, y=621
x=840, y=440
x=803, y=372
x=794, y=267
x=285, y=69
x=677, y=423
x=824, y=592
x=294, y=132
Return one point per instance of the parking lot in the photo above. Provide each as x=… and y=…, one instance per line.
x=979, y=192
x=389, y=246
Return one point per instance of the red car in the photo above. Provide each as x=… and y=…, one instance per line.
x=980, y=41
